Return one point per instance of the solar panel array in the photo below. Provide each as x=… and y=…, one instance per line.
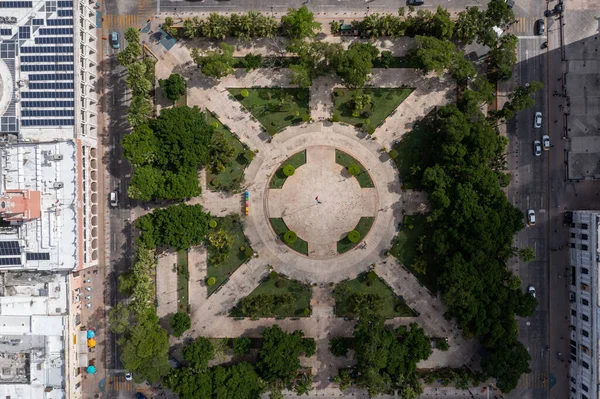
x=24, y=32
x=55, y=31
x=47, y=122
x=65, y=13
x=54, y=49
x=37, y=256
x=51, y=86
x=10, y=261
x=38, y=22
x=51, y=76
x=53, y=40
x=16, y=4
x=60, y=22
x=47, y=112
x=47, y=58
x=6, y=32
x=48, y=104
x=45, y=94
x=65, y=4
x=10, y=248
x=46, y=67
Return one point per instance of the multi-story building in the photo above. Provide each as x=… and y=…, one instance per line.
x=49, y=183
x=585, y=304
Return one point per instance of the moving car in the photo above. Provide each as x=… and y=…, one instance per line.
x=531, y=290
x=540, y=27
x=546, y=142
x=114, y=40
x=531, y=217
x=537, y=121
x=416, y=2
x=537, y=148
x=114, y=199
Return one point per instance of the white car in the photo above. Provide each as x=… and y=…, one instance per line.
x=531, y=290
x=88, y=305
x=128, y=376
x=537, y=122
x=114, y=199
x=537, y=148
x=531, y=217
x=546, y=142
x=88, y=288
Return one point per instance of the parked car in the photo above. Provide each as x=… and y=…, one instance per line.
x=537, y=121
x=537, y=148
x=88, y=288
x=88, y=297
x=531, y=290
x=88, y=305
x=540, y=27
x=128, y=376
x=114, y=40
x=114, y=199
x=546, y=142
x=416, y=2
x=531, y=217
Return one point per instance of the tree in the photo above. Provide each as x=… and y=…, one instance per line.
x=140, y=110
x=468, y=25
x=190, y=383
x=506, y=364
x=199, y=353
x=220, y=152
x=522, y=97
x=278, y=359
x=140, y=147
x=354, y=65
x=434, y=54
x=237, y=381
x=241, y=345
x=216, y=63
x=216, y=27
x=146, y=183
x=299, y=23
x=144, y=351
x=461, y=68
x=526, y=254
x=136, y=79
x=180, y=322
x=133, y=50
x=386, y=59
x=338, y=346
x=498, y=14
x=502, y=58
x=252, y=61
x=220, y=242
x=304, y=384
x=178, y=226
x=300, y=74
x=120, y=318
x=442, y=26
x=173, y=87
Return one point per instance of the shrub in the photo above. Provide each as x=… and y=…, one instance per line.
x=212, y=224
x=335, y=117
x=248, y=156
x=367, y=122
x=215, y=124
x=211, y=281
x=371, y=277
x=354, y=236
x=393, y=154
x=274, y=123
x=289, y=170
x=273, y=275
x=280, y=283
x=297, y=114
x=180, y=322
x=244, y=93
x=305, y=118
x=338, y=346
x=215, y=182
x=241, y=345
x=248, y=252
x=370, y=129
x=442, y=344
x=300, y=95
x=354, y=169
x=290, y=237
x=306, y=312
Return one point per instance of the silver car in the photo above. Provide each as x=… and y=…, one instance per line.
x=537, y=122
x=546, y=142
x=531, y=290
x=537, y=148
x=531, y=217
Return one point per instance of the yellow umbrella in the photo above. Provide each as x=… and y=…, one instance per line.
x=91, y=342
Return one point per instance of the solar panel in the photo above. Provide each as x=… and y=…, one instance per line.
x=38, y=22
x=60, y=22
x=47, y=67
x=46, y=58
x=65, y=13
x=56, y=31
x=47, y=104
x=47, y=112
x=37, y=256
x=54, y=49
x=10, y=261
x=16, y=4
x=48, y=122
x=53, y=40
x=46, y=94
x=51, y=76
x=6, y=32
x=51, y=86
x=65, y=4
x=9, y=248
x=24, y=32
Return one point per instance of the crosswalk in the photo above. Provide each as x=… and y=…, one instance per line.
x=146, y=9
x=523, y=25
x=119, y=383
x=533, y=380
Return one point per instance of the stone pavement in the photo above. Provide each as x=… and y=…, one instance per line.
x=197, y=268
x=218, y=203
x=166, y=284
x=321, y=97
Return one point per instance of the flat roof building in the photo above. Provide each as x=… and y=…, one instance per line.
x=33, y=321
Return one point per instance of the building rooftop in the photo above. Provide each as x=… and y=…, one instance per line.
x=37, y=69
x=33, y=317
x=38, y=199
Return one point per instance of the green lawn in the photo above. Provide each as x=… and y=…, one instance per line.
x=236, y=256
x=296, y=160
x=183, y=277
x=363, y=227
x=182, y=100
x=279, y=227
x=364, y=179
x=275, y=108
x=405, y=249
x=278, y=285
x=383, y=103
x=233, y=175
x=393, y=305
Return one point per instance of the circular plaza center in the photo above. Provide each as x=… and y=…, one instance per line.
x=322, y=202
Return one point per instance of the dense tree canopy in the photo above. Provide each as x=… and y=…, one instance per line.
x=178, y=226
x=299, y=23
x=173, y=87
x=199, y=353
x=354, y=65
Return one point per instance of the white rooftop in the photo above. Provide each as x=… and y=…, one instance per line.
x=50, y=169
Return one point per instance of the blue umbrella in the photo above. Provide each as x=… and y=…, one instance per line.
x=91, y=369
x=91, y=334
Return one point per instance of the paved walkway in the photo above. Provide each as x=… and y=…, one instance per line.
x=218, y=203
x=166, y=284
x=321, y=97
x=197, y=269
